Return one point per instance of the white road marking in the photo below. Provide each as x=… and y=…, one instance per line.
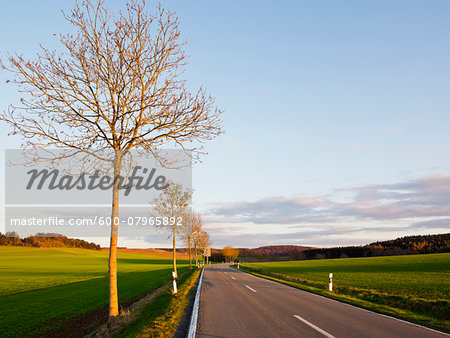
x=194, y=316
x=318, y=329
x=232, y=277
x=248, y=287
x=375, y=313
x=346, y=304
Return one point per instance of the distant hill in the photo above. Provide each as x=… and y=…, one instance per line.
x=42, y=240
x=277, y=250
x=401, y=246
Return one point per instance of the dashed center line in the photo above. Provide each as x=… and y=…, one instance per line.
x=248, y=287
x=318, y=329
x=232, y=277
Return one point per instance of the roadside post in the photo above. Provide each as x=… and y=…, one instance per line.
x=330, y=282
x=238, y=265
x=174, y=278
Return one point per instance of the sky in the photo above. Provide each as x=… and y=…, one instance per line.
x=336, y=115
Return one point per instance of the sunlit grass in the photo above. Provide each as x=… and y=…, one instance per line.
x=419, y=276
x=41, y=288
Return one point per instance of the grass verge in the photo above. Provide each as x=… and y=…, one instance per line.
x=433, y=314
x=160, y=318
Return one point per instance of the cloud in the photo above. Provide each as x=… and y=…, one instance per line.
x=396, y=209
x=424, y=197
x=273, y=210
x=314, y=239
x=440, y=223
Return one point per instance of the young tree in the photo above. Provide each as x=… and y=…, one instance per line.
x=196, y=245
x=190, y=228
x=197, y=238
x=172, y=207
x=204, y=241
x=117, y=86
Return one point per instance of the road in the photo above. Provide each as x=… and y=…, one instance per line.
x=237, y=304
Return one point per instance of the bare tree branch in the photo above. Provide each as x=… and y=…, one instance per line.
x=117, y=86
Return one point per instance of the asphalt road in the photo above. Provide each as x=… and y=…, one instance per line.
x=237, y=304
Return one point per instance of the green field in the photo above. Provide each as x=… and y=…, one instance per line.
x=415, y=287
x=42, y=289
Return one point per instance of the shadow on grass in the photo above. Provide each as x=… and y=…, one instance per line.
x=45, y=310
x=161, y=316
x=127, y=261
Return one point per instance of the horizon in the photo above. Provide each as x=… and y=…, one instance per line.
x=169, y=248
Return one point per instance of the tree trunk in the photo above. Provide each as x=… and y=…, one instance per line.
x=174, y=255
x=112, y=263
x=190, y=260
x=196, y=255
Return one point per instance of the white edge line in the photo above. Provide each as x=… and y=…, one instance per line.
x=248, y=287
x=383, y=315
x=194, y=316
x=318, y=329
x=354, y=306
x=373, y=312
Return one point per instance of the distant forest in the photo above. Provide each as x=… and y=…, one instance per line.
x=401, y=246
x=272, y=252
x=42, y=240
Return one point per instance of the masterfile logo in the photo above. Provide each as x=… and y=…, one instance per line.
x=55, y=180
x=84, y=179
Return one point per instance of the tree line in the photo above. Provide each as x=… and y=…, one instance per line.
x=41, y=240
x=408, y=245
x=271, y=252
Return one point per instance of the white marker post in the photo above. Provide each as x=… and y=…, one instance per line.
x=238, y=265
x=174, y=282
x=330, y=282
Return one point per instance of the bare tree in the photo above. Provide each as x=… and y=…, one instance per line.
x=172, y=205
x=116, y=86
x=190, y=228
x=197, y=239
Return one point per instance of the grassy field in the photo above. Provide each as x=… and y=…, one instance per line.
x=415, y=287
x=43, y=289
